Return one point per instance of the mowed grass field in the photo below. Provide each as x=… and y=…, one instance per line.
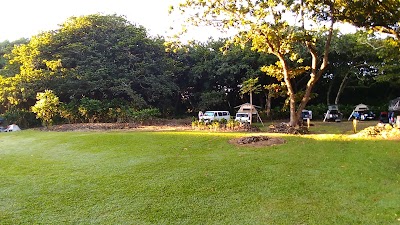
x=143, y=177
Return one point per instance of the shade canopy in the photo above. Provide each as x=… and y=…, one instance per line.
x=361, y=108
x=246, y=107
x=394, y=105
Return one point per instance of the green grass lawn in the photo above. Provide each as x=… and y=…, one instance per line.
x=344, y=127
x=195, y=178
x=319, y=127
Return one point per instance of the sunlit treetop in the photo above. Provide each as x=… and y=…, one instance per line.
x=277, y=27
x=379, y=15
x=271, y=25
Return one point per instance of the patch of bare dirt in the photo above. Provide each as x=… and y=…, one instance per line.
x=285, y=128
x=153, y=125
x=257, y=141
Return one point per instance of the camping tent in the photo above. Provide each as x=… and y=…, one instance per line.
x=12, y=127
x=247, y=107
x=394, y=105
x=360, y=109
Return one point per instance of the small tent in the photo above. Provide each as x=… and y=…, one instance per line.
x=247, y=108
x=360, y=108
x=12, y=127
x=394, y=105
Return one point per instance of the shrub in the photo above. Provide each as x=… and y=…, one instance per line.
x=46, y=107
x=215, y=125
x=144, y=115
x=90, y=109
x=195, y=124
x=69, y=112
x=318, y=110
x=21, y=117
x=223, y=121
x=279, y=113
x=198, y=125
x=233, y=124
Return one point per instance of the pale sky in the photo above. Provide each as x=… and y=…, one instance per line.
x=25, y=18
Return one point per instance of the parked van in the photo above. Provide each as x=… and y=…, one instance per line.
x=243, y=117
x=210, y=116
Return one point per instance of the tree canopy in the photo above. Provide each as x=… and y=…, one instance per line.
x=381, y=16
x=267, y=26
x=95, y=56
x=102, y=68
x=287, y=28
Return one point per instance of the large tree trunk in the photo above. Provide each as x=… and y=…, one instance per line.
x=341, y=88
x=268, y=98
x=251, y=107
x=290, y=91
x=328, y=93
x=317, y=69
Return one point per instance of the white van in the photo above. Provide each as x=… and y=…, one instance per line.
x=210, y=116
x=243, y=117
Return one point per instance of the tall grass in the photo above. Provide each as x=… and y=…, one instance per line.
x=195, y=178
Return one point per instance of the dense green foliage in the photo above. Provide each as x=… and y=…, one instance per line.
x=381, y=16
x=152, y=178
x=97, y=57
x=102, y=68
x=276, y=28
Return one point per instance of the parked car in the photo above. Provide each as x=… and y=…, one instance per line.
x=368, y=115
x=306, y=114
x=243, y=117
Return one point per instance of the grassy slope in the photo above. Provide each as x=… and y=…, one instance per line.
x=195, y=178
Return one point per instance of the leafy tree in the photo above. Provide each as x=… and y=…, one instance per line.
x=274, y=90
x=24, y=118
x=212, y=99
x=353, y=62
x=389, y=53
x=21, y=88
x=144, y=115
x=263, y=23
x=208, y=77
x=381, y=16
x=46, y=107
x=95, y=56
x=90, y=109
x=107, y=57
x=6, y=69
